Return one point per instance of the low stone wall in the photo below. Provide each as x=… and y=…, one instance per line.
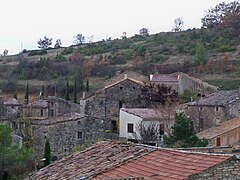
x=229, y=169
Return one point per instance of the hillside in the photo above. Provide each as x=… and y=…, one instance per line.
x=165, y=52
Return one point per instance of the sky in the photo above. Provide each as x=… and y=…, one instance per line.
x=24, y=22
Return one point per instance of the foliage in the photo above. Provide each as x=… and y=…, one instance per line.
x=58, y=43
x=187, y=96
x=225, y=84
x=67, y=50
x=47, y=153
x=11, y=155
x=183, y=134
x=60, y=57
x=44, y=43
x=178, y=25
x=37, y=52
x=87, y=85
x=67, y=91
x=201, y=56
x=5, y=52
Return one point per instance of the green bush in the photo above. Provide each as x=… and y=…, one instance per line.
x=37, y=52
x=67, y=50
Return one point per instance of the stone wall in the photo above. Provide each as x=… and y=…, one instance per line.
x=227, y=170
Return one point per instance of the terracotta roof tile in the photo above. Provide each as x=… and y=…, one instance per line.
x=165, y=164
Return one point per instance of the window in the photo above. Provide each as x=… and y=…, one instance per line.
x=216, y=108
x=79, y=122
x=121, y=87
x=114, y=126
x=51, y=113
x=201, y=108
x=201, y=124
x=41, y=113
x=133, y=88
x=130, y=128
x=120, y=104
x=161, y=129
x=79, y=135
x=218, y=141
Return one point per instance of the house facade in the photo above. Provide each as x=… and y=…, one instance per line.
x=134, y=122
x=107, y=102
x=225, y=134
x=182, y=82
x=214, y=109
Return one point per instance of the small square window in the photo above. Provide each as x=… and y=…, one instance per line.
x=217, y=108
x=79, y=122
x=133, y=88
x=130, y=128
x=120, y=87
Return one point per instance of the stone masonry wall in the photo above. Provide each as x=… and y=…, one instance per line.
x=228, y=170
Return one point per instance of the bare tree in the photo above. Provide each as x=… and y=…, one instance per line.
x=5, y=52
x=79, y=39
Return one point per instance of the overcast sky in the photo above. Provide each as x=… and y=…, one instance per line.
x=24, y=22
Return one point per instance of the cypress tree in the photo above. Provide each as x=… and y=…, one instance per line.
x=47, y=153
x=42, y=92
x=67, y=91
x=75, y=90
x=87, y=85
x=26, y=94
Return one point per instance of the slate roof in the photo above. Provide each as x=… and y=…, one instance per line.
x=108, y=159
x=220, y=98
x=101, y=156
x=221, y=129
x=164, y=164
x=146, y=113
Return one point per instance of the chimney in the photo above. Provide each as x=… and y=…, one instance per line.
x=84, y=95
x=151, y=76
x=125, y=76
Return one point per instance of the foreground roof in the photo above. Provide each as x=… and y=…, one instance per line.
x=102, y=156
x=108, y=159
x=164, y=164
x=221, y=129
x=220, y=98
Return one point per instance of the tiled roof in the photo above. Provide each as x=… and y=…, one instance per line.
x=11, y=102
x=101, y=156
x=39, y=104
x=129, y=74
x=220, y=98
x=146, y=113
x=164, y=164
x=221, y=129
x=127, y=78
x=164, y=78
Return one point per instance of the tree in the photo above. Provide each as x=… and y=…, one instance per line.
x=67, y=91
x=58, y=43
x=78, y=39
x=10, y=155
x=47, y=153
x=201, y=56
x=223, y=14
x=75, y=90
x=178, y=24
x=5, y=52
x=183, y=134
x=87, y=85
x=45, y=42
x=42, y=92
x=144, y=31
x=26, y=98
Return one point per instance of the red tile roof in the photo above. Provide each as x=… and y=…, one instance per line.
x=146, y=113
x=221, y=129
x=101, y=156
x=164, y=164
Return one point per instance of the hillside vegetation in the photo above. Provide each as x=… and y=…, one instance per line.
x=211, y=54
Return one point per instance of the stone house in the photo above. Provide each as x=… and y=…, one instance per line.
x=182, y=82
x=213, y=109
x=123, y=90
x=118, y=160
x=133, y=119
x=12, y=102
x=225, y=134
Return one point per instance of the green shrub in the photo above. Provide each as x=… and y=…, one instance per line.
x=67, y=50
x=37, y=52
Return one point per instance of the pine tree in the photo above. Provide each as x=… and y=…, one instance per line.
x=26, y=94
x=183, y=134
x=47, y=153
x=67, y=91
x=75, y=90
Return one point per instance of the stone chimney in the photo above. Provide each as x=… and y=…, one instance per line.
x=84, y=95
x=125, y=76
